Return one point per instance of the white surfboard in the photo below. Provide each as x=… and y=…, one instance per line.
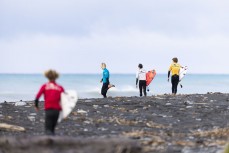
x=68, y=102
x=183, y=72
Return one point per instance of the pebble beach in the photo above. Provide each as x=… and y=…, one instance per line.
x=195, y=123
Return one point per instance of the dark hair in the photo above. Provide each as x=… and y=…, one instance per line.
x=140, y=66
x=175, y=59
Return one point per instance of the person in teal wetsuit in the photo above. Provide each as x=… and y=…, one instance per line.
x=105, y=81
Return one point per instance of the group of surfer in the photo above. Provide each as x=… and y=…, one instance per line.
x=141, y=78
x=52, y=91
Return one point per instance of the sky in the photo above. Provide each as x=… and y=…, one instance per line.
x=76, y=36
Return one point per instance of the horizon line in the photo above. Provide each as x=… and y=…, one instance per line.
x=66, y=73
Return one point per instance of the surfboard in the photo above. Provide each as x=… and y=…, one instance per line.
x=150, y=76
x=68, y=102
x=183, y=72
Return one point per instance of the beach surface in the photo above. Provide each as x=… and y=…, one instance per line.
x=196, y=123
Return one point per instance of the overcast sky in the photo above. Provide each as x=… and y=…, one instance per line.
x=75, y=36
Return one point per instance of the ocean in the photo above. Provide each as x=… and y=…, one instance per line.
x=16, y=87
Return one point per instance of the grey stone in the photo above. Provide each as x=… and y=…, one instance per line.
x=20, y=103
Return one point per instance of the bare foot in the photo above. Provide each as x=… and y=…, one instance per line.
x=110, y=86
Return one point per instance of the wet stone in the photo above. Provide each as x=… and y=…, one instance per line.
x=31, y=118
x=33, y=114
x=21, y=103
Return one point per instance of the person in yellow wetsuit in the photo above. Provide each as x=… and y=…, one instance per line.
x=175, y=70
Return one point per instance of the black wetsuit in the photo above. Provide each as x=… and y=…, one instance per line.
x=105, y=88
x=51, y=118
x=142, y=85
x=174, y=81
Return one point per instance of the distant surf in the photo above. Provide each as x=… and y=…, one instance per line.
x=16, y=87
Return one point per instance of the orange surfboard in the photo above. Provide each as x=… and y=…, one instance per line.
x=150, y=76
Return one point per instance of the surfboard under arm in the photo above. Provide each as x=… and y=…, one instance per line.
x=68, y=103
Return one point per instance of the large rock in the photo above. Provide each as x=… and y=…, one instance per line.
x=46, y=144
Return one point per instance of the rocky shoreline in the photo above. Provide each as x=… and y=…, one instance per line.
x=197, y=123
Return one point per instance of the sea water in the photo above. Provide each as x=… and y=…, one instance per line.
x=16, y=87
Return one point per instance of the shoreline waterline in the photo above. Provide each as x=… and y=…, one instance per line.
x=110, y=97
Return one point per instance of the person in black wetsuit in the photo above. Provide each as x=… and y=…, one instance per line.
x=141, y=79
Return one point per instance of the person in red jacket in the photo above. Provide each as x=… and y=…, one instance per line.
x=52, y=94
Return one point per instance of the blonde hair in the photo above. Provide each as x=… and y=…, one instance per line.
x=51, y=75
x=103, y=65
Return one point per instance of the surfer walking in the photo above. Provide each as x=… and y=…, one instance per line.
x=105, y=81
x=141, y=79
x=174, y=69
x=52, y=96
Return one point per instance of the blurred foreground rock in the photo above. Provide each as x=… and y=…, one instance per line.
x=46, y=144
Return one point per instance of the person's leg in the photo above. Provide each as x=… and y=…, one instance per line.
x=55, y=116
x=176, y=81
x=173, y=84
x=51, y=118
x=48, y=122
x=104, y=89
x=144, y=87
x=110, y=85
x=140, y=87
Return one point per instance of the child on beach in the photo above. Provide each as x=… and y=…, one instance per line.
x=52, y=94
x=105, y=81
x=175, y=69
x=141, y=79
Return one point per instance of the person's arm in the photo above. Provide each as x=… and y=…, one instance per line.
x=41, y=91
x=168, y=75
x=36, y=101
x=102, y=77
x=170, y=68
x=137, y=79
